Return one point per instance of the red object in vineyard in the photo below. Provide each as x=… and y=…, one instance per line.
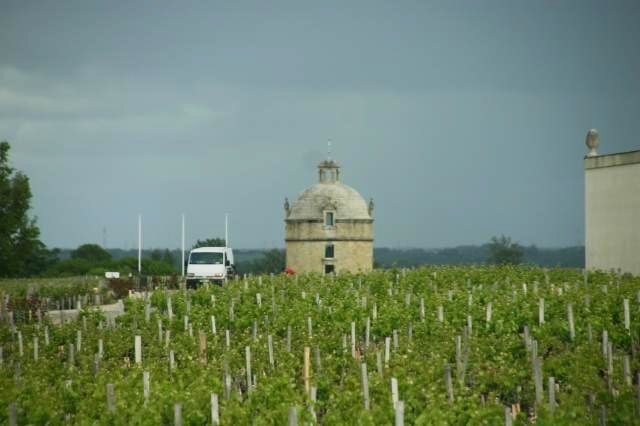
x=289, y=271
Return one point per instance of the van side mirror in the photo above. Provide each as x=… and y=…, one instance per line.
x=227, y=263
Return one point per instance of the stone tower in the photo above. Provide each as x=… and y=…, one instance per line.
x=329, y=228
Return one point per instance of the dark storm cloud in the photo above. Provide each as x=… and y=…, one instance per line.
x=463, y=120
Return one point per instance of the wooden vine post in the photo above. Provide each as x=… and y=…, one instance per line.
x=215, y=410
x=177, y=414
x=111, y=398
x=399, y=413
x=202, y=337
x=448, y=382
x=13, y=414
x=365, y=385
x=146, y=383
x=307, y=370
x=138, y=349
x=249, y=375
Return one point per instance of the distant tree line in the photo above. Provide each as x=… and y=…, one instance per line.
x=91, y=259
x=566, y=257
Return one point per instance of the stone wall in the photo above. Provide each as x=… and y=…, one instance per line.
x=308, y=256
x=352, y=240
x=612, y=212
x=303, y=256
x=316, y=230
x=354, y=256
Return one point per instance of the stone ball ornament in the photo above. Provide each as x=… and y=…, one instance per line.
x=592, y=141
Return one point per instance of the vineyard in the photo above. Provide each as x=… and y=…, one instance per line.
x=438, y=345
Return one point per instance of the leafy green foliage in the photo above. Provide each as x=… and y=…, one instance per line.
x=163, y=256
x=210, y=242
x=505, y=252
x=564, y=257
x=498, y=369
x=270, y=262
x=92, y=253
x=20, y=248
x=91, y=259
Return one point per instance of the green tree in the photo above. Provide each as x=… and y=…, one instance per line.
x=503, y=251
x=167, y=257
x=70, y=268
x=92, y=253
x=42, y=260
x=164, y=256
x=271, y=261
x=154, y=267
x=210, y=242
x=19, y=233
x=156, y=254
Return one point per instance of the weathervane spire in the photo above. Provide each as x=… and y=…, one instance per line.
x=328, y=149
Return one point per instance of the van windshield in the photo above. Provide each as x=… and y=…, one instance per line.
x=206, y=259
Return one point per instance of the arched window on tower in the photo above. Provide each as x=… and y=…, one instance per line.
x=329, y=218
x=329, y=251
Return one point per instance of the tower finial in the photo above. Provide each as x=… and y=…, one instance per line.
x=328, y=149
x=593, y=140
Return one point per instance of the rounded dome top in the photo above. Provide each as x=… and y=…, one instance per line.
x=346, y=201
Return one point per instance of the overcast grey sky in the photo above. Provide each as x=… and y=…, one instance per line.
x=462, y=119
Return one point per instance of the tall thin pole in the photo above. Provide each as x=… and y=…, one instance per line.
x=226, y=229
x=183, y=244
x=139, y=243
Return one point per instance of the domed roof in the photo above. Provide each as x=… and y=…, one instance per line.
x=346, y=201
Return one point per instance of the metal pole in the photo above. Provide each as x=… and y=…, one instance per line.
x=139, y=243
x=183, y=244
x=226, y=229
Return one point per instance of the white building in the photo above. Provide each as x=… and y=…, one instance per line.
x=612, y=209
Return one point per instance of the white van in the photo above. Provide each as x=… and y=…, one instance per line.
x=214, y=264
